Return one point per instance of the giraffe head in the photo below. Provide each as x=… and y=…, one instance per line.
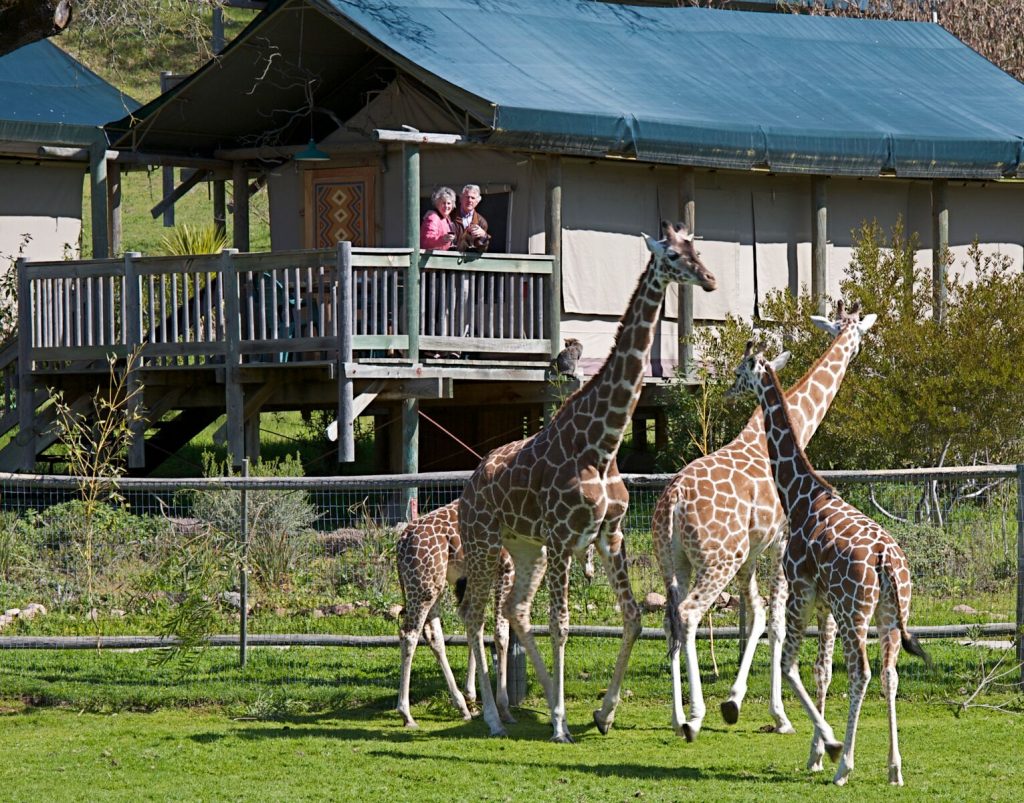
x=751, y=369
x=676, y=259
x=846, y=320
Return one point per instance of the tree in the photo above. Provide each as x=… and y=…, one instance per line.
x=25, y=21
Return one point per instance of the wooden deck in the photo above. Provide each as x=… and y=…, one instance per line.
x=245, y=329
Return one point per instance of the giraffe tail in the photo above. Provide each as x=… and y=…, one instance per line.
x=674, y=625
x=907, y=639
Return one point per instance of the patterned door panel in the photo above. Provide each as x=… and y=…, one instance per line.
x=339, y=206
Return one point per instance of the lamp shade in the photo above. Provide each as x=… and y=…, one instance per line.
x=311, y=153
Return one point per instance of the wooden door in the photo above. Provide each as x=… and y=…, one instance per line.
x=339, y=206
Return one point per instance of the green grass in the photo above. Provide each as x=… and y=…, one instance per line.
x=306, y=724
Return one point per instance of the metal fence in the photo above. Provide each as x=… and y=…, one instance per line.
x=313, y=547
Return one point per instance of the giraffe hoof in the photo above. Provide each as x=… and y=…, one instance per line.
x=784, y=728
x=834, y=750
x=602, y=725
x=563, y=738
x=500, y=733
x=506, y=717
x=730, y=712
x=688, y=732
x=411, y=724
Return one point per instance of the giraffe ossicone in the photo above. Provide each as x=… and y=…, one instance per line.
x=836, y=559
x=718, y=514
x=548, y=497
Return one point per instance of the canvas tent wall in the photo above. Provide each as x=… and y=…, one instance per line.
x=47, y=100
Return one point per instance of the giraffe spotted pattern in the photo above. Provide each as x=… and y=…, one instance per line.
x=836, y=559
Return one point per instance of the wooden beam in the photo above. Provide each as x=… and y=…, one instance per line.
x=176, y=193
x=98, y=199
x=417, y=137
x=346, y=409
x=940, y=247
x=688, y=211
x=114, y=206
x=819, y=242
x=553, y=245
x=233, y=398
x=411, y=152
x=240, y=191
x=26, y=382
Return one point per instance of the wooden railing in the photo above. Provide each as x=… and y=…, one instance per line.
x=285, y=304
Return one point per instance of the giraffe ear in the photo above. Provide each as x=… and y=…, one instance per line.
x=867, y=322
x=780, y=362
x=825, y=324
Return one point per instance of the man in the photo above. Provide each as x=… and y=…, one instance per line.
x=469, y=226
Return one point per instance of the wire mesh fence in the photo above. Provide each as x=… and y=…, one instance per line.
x=319, y=552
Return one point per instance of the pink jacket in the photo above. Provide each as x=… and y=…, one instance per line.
x=434, y=232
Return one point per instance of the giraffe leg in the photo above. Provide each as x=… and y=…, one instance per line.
x=530, y=563
x=889, y=638
x=435, y=636
x=776, y=637
x=822, y=680
x=748, y=583
x=613, y=554
x=707, y=586
x=479, y=582
x=859, y=669
x=558, y=590
x=502, y=589
x=413, y=618
x=799, y=603
x=675, y=572
x=469, y=689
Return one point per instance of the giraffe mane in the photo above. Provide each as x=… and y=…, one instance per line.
x=801, y=452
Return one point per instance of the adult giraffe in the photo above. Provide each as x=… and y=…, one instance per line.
x=836, y=559
x=719, y=513
x=546, y=498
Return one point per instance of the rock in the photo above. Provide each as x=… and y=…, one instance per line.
x=32, y=610
x=279, y=611
x=654, y=602
x=12, y=612
x=117, y=613
x=342, y=609
x=334, y=543
x=394, y=611
x=965, y=609
x=318, y=613
x=5, y=620
x=93, y=615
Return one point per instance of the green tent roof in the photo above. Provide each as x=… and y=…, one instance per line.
x=48, y=97
x=711, y=87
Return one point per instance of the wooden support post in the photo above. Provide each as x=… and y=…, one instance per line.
x=114, y=206
x=233, y=398
x=252, y=436
x=553, y=245
x=132, y=311
x=346, y=422
x=411, y=151
x=167, y=81
x=26, y=382
x=98, y=199
x=220, y=206
x=819, y=242
x=411, y=451
x=940, y=248
x=240, y=190
x=688, y=210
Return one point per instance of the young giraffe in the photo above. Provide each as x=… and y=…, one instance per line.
x=548, y=497
x=836, y=558
x=718, y=514
x=429, y=555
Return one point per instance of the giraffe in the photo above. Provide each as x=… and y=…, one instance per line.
x=838, y=559
x=429, y=554
x=718, y=514
x=546, y=498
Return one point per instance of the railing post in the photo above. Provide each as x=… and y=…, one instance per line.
x=131, y=312
x=346, y=431
x=1019, y=640
x=243, y=571
x=553, y=245
x=232, y=359
x=26, y=383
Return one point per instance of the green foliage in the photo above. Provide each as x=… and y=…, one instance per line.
x=278, y=522
x=186, y=239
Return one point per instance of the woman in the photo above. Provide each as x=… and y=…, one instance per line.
x=436, y=229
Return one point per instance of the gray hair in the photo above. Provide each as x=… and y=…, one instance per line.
x=471, y=188
x=442, y=192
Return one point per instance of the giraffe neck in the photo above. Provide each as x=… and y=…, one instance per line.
x=613, y=392
x=795, y=477
x=810, y=398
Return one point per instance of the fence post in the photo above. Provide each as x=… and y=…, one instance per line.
x=516, y=670
x=243, y=571
x=1019, y=640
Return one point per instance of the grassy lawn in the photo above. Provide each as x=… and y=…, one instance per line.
x=310, y=724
